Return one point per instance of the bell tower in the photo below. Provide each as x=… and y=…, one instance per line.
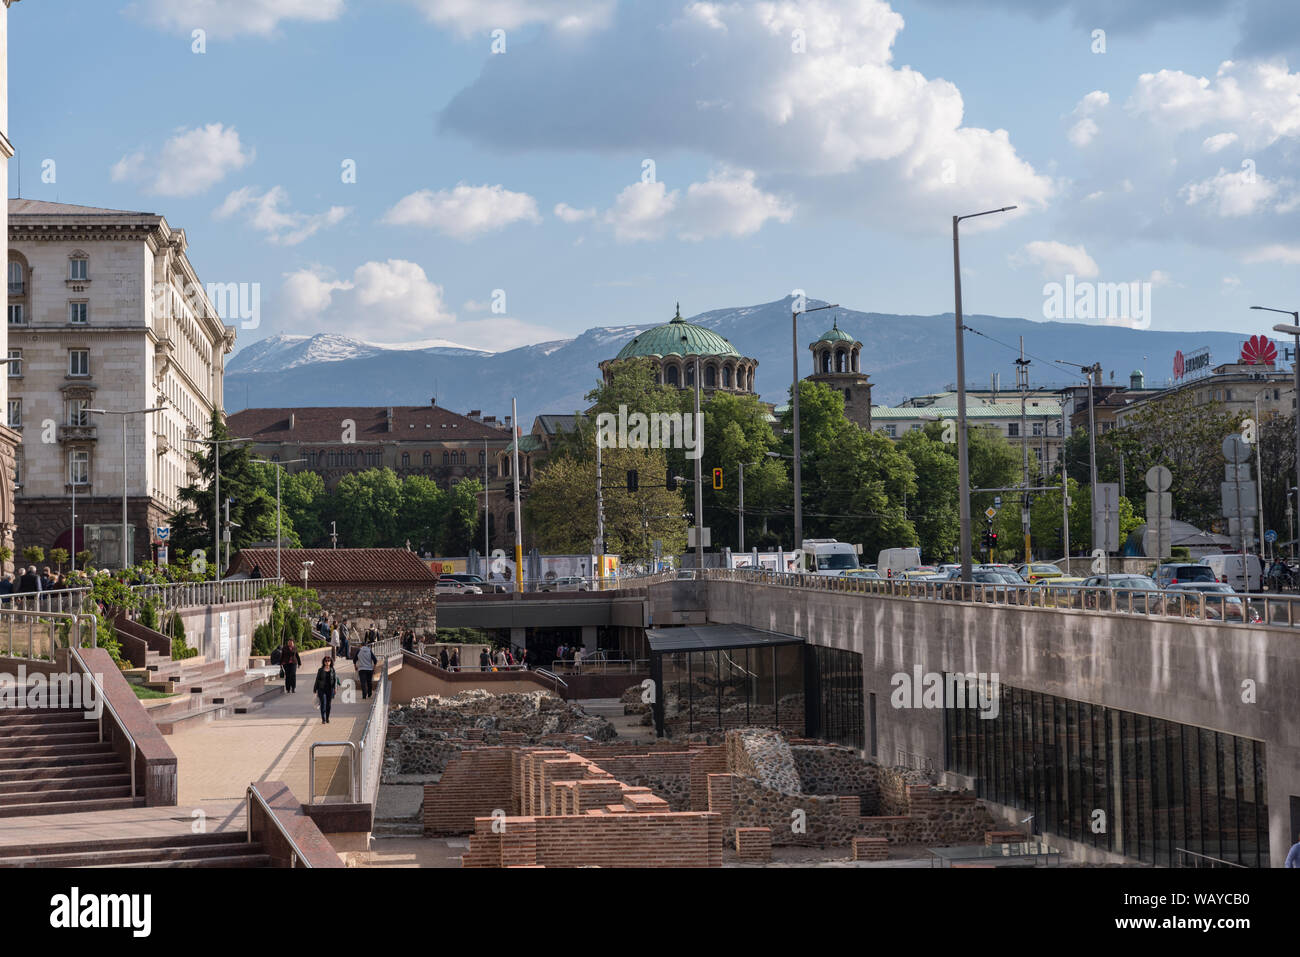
x=836, y=363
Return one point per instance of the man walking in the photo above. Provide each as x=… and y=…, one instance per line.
x=290, y=661
x=366, y=668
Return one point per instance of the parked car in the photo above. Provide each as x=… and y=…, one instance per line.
x=1063, y=592
x=477, y=580
x=1039, y=571
x=1221, y=602
x=1176, y=573
x=1128, y=588
x=571, y=583
x=920, y=572
x=1242, y=572
x=447, y=585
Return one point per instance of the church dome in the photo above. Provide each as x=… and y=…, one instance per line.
x=678, y=338
x=836, y=334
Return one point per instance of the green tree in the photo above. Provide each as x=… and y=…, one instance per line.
x=365, y=506
x=462, y=516
x=302, y=496
x=933, y=509
x=422, y=512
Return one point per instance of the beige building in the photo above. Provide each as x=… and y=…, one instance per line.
x=105, y=311
x=9, y=438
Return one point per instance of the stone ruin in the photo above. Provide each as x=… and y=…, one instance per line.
x=424, y=734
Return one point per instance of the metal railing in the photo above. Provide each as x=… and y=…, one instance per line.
x=375, y=736
x=1186, y=858
x=186, y=594
x=559, y=682
x=105, y=704
x=55, y=601
x=599, y=666
x=354, y=769
x=1251, y=609
x=913, y=761
x=298, y=855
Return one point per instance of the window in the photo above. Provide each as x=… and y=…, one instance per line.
x=77, y=268
x=916, y=428
x=15, y=413
x=446, y=458
x=891, y=431
x=1038, y=428
x=76, y=411
x=428, y=459
x=16, y=315
x=16, y=366
x=670, y=375
x=406, y=459
x=726, y=377
x=1013, y=430
x=78, y=312
x=17, y=286
x=79, y=467
x=710, y=377
x=79, y=362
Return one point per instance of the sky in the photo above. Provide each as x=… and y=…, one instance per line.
x=499, y=172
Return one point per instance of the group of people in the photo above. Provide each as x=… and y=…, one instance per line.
x=499, y=660
x=571, y=655
x=27, y=580
x=327, y=682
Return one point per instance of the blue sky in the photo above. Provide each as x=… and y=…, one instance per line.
x=805, y=144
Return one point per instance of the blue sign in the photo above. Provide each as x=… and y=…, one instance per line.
x=163, y=532
x=1270, y=536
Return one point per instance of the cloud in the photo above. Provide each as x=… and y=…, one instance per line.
x=568, y=214
x=228, y=18
x=1219, y=141
x=1234, y=194
x=1288, y=255
x=190, y=162
x=468, y=16
x=1085, y=128
x=1056, y=259
x=641, y=211
x=728, y=203
x=803, y=93
x=464, y=212
x=264, y=213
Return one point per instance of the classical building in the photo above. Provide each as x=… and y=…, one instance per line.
x=9, y=438
x=336, y=441
x=105, y=312
x=1234, y=384
x=836, y=364
x=675, y=348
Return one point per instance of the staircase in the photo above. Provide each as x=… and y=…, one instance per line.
x=52, y=762
x=208, y=690
x=224, y=849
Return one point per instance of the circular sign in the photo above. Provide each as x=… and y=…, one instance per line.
x=1270, y=536
x=1235, y=450
x=1159, y=478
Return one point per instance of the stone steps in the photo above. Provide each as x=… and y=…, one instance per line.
x=190, y=850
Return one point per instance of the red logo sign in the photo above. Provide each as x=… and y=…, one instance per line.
x=1258, y=351
x=1178, y=364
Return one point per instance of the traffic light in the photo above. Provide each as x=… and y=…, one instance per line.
x=717, y=479
x=632, y=484
x=993, y=540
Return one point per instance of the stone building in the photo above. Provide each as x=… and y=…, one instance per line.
x=674, y=349
x=836, y=363
x=390, y=588
x=9, y=438
x=105, y=312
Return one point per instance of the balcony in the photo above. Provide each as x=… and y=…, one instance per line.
x=77, y=433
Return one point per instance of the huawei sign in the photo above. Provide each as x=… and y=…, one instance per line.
x=1256, y=351
x=1179, y=367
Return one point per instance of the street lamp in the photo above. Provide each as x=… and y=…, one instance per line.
x=1295, y=366
x=278, y=466
x=306, y=567
x=794, y=415
x=963, y=467
x=216, y=494
x=126, y=562
x=740, y=504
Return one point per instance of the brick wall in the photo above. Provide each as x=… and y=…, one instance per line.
x=474, y=784
x=387, y=606
x=689, y=839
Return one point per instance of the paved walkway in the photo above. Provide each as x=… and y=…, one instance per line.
x=17, y=833
x=217, y=760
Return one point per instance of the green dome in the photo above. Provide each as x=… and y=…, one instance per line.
x=835, y=334
x=678, y=338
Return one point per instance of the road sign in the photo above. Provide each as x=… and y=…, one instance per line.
x=1159, y=478
x=1270, y=536
x=990, y=512
x=163, y=532
x=1235, y=449
x=1239, y=472
x=1159, y=524
x=1105, y=517
x=690, y=537
x=997, y=501
x=1239, y=499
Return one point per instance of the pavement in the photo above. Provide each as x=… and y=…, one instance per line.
x=19, y=833
x=217, y=760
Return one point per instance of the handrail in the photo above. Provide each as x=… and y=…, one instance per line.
x=382, y=698
x=104, y=702
x=553, y=676
x=354, y=767
x=297, y=851
x=1213, y=861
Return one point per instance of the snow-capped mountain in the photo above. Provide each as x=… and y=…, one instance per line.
x=903, y=355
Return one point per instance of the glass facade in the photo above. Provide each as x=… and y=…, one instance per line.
x=834, y=695
x=1126, y=782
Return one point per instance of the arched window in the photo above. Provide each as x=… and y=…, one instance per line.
x=670, y=375
x=406, y=459
x=710, y=377
x=726, y=377
x=428, y=459
x=855, y=360
x=841, y=364
x=690, y=374
x=826, y=360
x=17, y=279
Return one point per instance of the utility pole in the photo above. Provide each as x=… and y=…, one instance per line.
x=519, y=524
x=740, y=510
x=699, y=475
x=794, y=419
x=1065, y=489
x=1022, y=382
x=600, y=509
x=334, y=535
x=487, y=515
x=1259, y=475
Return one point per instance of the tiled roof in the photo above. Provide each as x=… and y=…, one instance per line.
x=338, y=566
x=40, y=207
x=551, y=424
x=324, y=424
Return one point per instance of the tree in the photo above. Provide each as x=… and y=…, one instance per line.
x=461, y=517
x=933, y=508
x=422, y=512
x=1277, y=471
x=365, y=508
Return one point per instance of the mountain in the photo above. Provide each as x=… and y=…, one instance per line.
x=904, y=355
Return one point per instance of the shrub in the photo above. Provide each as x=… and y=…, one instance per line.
x=59, y=556
x=34, y=554
x=83, y=558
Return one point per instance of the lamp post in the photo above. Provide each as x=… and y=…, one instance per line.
x=278, y=466
x=306, y=567
x=126, y=561
x=963, y=467
x=740, y=506
x=216, y=494
x=1295, y=366
x=794, y=417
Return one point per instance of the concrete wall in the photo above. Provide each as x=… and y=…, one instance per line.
x=1185, y=671
x=203, y=629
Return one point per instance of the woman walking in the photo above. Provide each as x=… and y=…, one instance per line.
x=290, y=661
x=326, y=682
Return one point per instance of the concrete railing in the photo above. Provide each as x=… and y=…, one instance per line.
x=1252, y=609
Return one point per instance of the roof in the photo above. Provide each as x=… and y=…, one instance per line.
x=40, y=207
x=1003, y=410
x=339, y=566
x=836, y=334
x=707, y=637
x=678, y=338
x=527, y=443
x=321, y=424
x=553, y=424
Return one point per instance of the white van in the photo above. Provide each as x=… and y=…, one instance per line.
x=892, y=562
x=1242, y=575
x=826, y=556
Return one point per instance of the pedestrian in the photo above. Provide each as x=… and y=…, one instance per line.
x=6, y=587
x=523, y=658
x=577, y=658
x=326, y=681
x=28, y=582
x=484, y=660
x=336, y=637
x=290, y=661
x=455, y=659
x=444, y=659
x=510, y=658
x=47, y=579
x=343, y=638
x=366, y=668
x=1293, y=855
x=559, y=655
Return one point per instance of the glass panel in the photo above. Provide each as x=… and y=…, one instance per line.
x=1210, y=782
